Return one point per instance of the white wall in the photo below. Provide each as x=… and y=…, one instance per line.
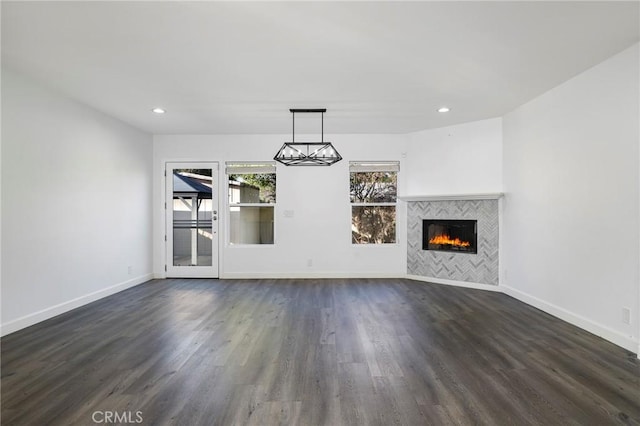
x=572, y=199
x=461, y=159
x=76, y=204
x=320, y=228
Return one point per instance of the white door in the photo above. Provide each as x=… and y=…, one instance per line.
x=192, y=220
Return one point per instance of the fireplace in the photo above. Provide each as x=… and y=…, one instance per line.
x=460, y=236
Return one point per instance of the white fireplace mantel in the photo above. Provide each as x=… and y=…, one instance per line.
x=449, y=197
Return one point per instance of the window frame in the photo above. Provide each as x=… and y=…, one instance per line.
x=367, y=167
x=249, y=167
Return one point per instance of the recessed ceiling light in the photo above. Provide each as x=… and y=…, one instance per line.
x=444, y=109
x=158, y=110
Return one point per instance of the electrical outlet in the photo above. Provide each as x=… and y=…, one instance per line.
x=309, y=262
x=130, y=270
x=626, y=315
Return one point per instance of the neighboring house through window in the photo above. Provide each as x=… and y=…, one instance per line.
x=252, y=199
x=373, y=192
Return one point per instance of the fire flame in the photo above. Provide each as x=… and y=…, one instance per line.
x=445, y=239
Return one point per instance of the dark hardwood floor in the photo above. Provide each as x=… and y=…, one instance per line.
x=314, y=352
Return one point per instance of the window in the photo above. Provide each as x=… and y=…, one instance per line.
x=373, y=190
x=252, y=200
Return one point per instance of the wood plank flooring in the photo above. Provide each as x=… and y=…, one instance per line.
x=314, y=352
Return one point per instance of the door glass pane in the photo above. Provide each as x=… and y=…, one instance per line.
x=192, y=217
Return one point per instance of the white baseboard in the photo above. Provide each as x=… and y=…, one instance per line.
x=305, y=275
x=606, y=333
x=455, y=283
x=45, y=314
x=599, y=330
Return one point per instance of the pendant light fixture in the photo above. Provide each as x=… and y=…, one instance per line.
x=308, y=153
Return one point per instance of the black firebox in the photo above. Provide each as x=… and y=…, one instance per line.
x=450, y=235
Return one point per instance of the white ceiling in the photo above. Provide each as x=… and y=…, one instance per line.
x=378, y=67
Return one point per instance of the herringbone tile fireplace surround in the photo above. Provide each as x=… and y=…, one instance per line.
x=480, y=268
